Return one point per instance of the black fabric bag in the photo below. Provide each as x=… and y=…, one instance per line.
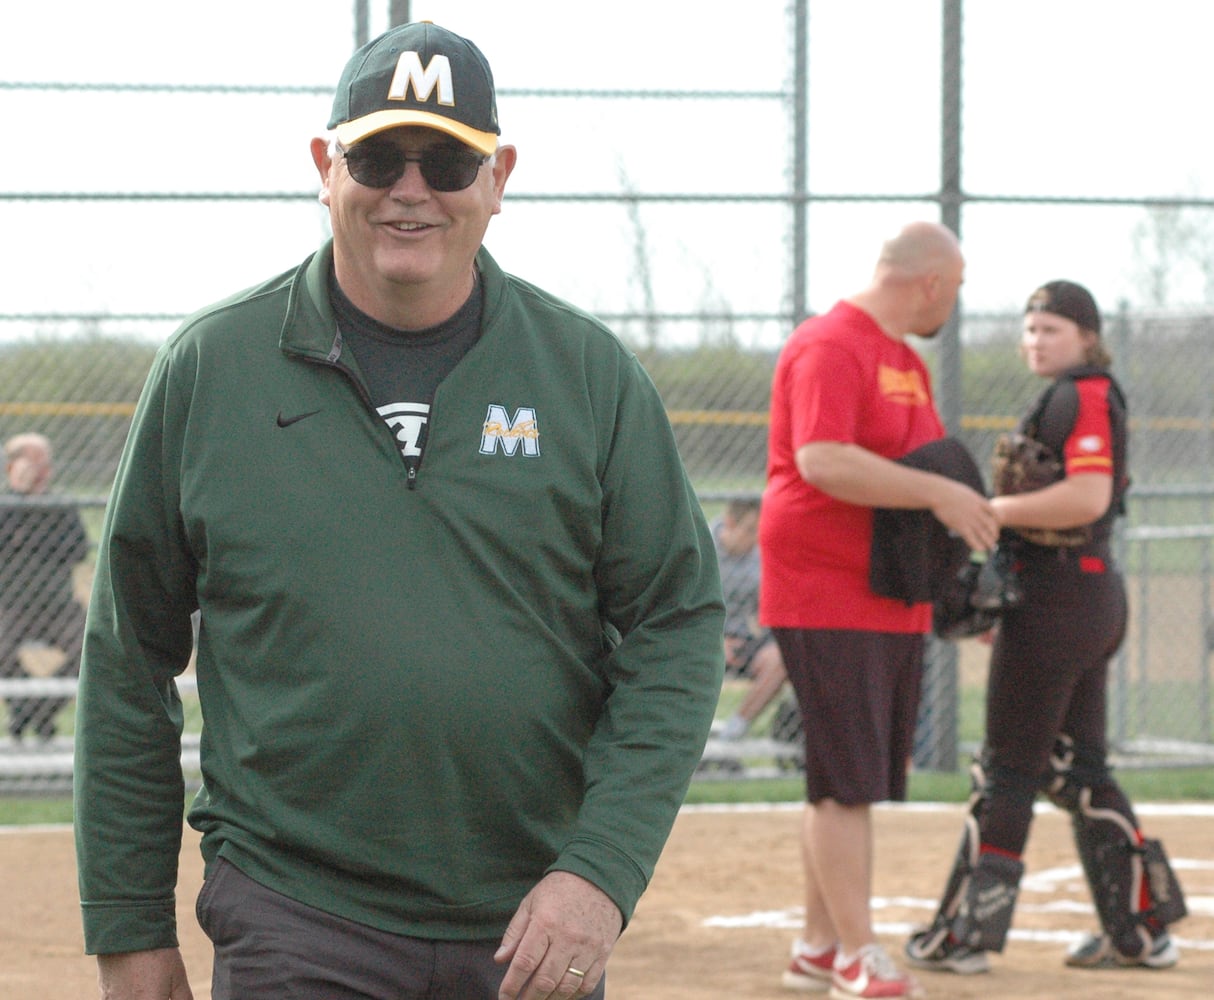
x=914, y=558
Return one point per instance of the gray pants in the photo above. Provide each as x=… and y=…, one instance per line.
x=270, y=947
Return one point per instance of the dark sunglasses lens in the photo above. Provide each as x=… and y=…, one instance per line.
x=447, y=168
x=375, y=165
x=382, y=164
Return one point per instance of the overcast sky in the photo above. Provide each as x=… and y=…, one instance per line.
x=1062, y=97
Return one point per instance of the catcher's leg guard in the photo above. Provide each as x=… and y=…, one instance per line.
x=1133, y=886
x=924, y=943
x=986, y=909
x=980, y=894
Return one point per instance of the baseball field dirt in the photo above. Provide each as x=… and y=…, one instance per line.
x=721, y=911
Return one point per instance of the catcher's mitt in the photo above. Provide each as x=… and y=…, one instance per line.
x=976, y=597
x=1021, y=464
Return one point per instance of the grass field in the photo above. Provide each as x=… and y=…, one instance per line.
x=1171, y=784
x=1154, y=785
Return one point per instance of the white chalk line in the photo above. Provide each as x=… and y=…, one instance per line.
x=1062, y=878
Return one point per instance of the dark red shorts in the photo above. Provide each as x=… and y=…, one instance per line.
x=859, y=697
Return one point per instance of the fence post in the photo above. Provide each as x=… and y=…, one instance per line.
x=936, y=732
x=398, y=13
x=800, y=163
x=940, y=703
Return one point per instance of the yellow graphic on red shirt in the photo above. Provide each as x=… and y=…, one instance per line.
x=1089, y=463
x=904, y=387
x=1091, y=455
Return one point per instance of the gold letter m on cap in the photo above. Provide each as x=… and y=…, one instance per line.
x=409, y=72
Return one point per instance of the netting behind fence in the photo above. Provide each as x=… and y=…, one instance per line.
x=1160, y=696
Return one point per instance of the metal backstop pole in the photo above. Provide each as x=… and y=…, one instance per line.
x=941, y=699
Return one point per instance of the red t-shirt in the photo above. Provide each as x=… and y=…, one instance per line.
x=838, y=378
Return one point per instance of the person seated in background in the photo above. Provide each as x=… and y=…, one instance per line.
x=41, y=622
x=750, y=650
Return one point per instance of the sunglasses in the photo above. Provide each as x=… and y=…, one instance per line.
x=381, y=164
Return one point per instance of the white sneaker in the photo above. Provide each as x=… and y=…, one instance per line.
x=872, y=973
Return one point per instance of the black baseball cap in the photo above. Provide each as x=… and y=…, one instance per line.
x=1068, y=300
x=417, y=74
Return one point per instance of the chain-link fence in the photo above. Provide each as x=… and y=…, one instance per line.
x=1161, y=699
x=71, y=365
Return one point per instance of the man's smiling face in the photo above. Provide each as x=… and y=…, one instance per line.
x=408, y=242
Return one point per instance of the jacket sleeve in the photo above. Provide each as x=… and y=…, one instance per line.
x=660, y=590
x=128, y=787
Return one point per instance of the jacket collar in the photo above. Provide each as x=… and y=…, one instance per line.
x=309, y=326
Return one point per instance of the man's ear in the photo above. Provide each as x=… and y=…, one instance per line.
x=324, y=164
x=503, y=164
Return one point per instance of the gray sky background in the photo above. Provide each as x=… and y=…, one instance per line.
x=1063, y=97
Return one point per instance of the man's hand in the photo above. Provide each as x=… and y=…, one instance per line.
x=850, y=473
x=564, y=926
x=966, y=513
x=734, y=645
x=143, y=975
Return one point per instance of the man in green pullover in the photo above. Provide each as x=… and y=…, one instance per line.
x=459, y=619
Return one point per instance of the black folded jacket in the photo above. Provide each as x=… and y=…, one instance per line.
x=914, y=557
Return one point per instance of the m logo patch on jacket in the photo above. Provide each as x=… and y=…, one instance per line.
x=508, y=432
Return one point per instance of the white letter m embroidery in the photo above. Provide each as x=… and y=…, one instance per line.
x=500, y=429
x=409, y=72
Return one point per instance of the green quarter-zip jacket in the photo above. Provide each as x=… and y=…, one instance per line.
x=419, y=694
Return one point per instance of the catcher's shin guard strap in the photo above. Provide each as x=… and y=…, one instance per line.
x=1133, y=886
x=1074, y=769
x=986, y=909
x=1062, y=789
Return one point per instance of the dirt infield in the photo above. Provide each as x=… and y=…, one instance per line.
x=719, y=916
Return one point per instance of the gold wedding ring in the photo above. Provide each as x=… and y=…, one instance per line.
x=576, y=972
